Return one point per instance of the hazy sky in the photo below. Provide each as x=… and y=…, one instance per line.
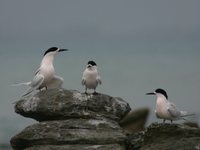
x=97, y=22
x=138, y=46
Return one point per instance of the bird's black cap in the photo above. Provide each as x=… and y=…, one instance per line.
x=52, y=49
x=161, y=91
x=92, y=63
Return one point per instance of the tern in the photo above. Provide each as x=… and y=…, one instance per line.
x=45, y=76
x=165, y=109
x=91, y=77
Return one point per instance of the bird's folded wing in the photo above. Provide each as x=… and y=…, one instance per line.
x=83, y=78
x=37, y=81
x=99, y=79
x=83, y=81
x=56, y=82
x=173, y=110
x=37, y=71
x=35, y=84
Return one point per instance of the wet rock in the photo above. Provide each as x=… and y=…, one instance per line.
x=64, y=104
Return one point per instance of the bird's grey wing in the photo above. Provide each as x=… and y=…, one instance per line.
x=173, y=110
x=37, y=71
x=83, y=81
x=83, y=78
x=35, y=84
x=56, y=82
x=99, y=79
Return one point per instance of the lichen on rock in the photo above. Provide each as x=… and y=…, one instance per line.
x=70, y=120
x=65, y=104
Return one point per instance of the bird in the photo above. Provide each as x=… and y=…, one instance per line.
x=45, y=76
x=165, y=109
x=91, y=77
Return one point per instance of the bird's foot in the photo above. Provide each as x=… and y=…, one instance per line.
x=164, y=121
x=95, y=93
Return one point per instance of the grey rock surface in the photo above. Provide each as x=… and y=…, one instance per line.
x=72, y=131
x=65, y=104
x=78, y=147
x=165, y=137
x=70, y=120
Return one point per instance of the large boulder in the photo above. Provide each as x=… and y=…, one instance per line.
x=165, y=136
x=69, y=133
x=70, y=120
x=78, y=147
x=64, y=104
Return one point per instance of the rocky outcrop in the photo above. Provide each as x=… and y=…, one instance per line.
x=164, y=137
x=70, y=120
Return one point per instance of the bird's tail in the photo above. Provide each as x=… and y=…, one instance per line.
x=186, y=114
x=28, y=92
x=20, y=84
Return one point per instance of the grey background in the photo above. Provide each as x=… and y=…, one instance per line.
x=138, y=46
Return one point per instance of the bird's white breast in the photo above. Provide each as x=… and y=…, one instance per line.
x=90, y=77
x=161, y=108
x=48, y=73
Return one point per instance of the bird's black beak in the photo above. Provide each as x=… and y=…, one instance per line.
x=89, y=66
x=151, y=93
x=62, y=50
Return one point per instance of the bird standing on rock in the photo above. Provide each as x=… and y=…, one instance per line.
x=91, y=77
x=165, y=109
x=45, y=76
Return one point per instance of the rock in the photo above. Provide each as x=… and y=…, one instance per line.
x=78, y=147
x=191, y=124
x=165, y=136
x=134, y=141
x=70, y=120
x=64, y=104
x=69, y=132
x=135, y=120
